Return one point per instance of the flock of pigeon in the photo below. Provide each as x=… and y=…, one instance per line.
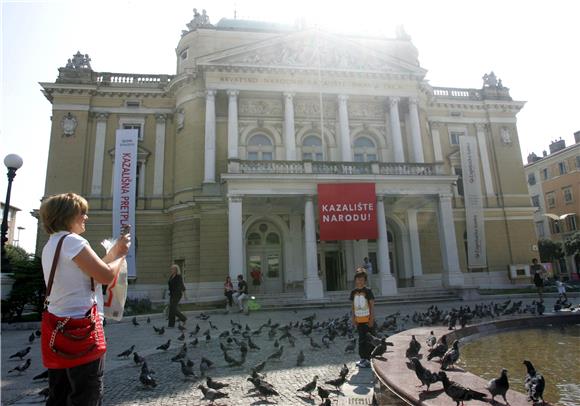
x=238, y=341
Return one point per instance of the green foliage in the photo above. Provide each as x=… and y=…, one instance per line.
x=550, y=250
x=572, y=245
x=16, y=255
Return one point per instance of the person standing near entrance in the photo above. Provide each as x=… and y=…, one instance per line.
x=363, y=316
x=538, y=275
x=176, y=289
x=256, y=275
x=229, y=292
x=242, y=292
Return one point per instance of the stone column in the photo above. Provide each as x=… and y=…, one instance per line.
x=142, y=171
x=289, y=131
x=210, y=128
x=415, y=131
x=396, y=129
x=312, y=283
x=387, y=283
x=159, y=154
x=452, y=275
x=233, y=124
x=345, y=147
x=436, y=141
x=101, y=134
x=415, y=243
x=485, y=166
x=235, y=237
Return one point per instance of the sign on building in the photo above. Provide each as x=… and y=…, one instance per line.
x=347, y=211
x=125, y=189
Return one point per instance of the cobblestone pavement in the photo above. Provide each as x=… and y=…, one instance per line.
x=122, y=386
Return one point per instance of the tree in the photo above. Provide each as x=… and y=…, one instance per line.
x=572, y=245
x=550, y=250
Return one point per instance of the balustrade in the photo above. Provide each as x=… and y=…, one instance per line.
x=133, y=79
x=457, y=93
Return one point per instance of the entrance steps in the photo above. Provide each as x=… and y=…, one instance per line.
x=296, y=300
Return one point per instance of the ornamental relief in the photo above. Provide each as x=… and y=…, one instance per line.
x=254, y=107
x=311, y=108
x=366, y=110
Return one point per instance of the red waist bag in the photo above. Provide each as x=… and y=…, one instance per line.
x=68, y=342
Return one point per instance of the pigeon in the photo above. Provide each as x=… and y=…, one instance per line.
x=165, y=346
x=212, y=394
x=534, y=383
x=160, y=330
x=310, y=386
x=215, y=384
x=457, y=392
x=451, y=356
x=146, y=379
x=181, y=337
x=181, y=354
x=125, y=354
x=148, y=320
x=264, y=388
x=276, y=343
x=337, y=383
x=181, y=328
x=31, y=338
x=431, y=340
x=499, y=386
x=425, y=376
x=259, y=367
x=37, y=333
x=314, y=344
x=276, y=354
x=22, y=367
x=195, y=331
x=351, y=346
x=45, y=392
x=323, y=393
x=212, y=326
x=194, y=342
x=414, y=347
x=134, y=321
x=252, y=345
x=300, y=359
x=343, y=371
x=137, y=358
x=207, y=361
x=187, y=370
x=21, y=354
x=380, y=349
x=439, y=350
x=41, y=376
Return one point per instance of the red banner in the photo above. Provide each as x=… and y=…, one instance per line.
x=347, y=211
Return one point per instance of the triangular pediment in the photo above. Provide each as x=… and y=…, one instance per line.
x=311, y=50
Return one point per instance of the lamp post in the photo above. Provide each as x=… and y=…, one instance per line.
x=13, y=162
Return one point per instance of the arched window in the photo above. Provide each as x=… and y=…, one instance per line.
x=254, y=239
x=312, y=148
x=365, y=150
x=260, y=148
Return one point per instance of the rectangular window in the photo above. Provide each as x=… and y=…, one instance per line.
x=252, y=156
x=568, y=198
x=454, y=137
x=562, y=167
x=531, y=179
x=545, y=174
x=551, y=200
x=578, y=162
x=536, y=200
x=133, y=104
x=571, y=222
x=555, y=226
x=459, y=172
x=359, y=157
x=134, y=126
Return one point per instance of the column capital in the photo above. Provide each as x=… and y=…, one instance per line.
x=394, y=100
x=160, y=118
x=445, y=196
x=413, y=100
x=342, y=98
x=435, y=125
x=101, y=116
x=233, y=93
x=210, y=93
x=308, y=198
x=235, y=199
x=289, y=95
x=380, y=198
x=481, y=127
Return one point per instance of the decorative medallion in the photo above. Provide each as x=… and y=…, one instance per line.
x=69, y=125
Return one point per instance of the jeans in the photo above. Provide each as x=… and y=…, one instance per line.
x=77, y=386
x=174, y=311
x=239, y=299
x=365, y=346
x=230, y=298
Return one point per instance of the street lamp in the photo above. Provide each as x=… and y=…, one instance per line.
x=13, y=162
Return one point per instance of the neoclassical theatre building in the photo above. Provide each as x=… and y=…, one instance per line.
x=233, y=146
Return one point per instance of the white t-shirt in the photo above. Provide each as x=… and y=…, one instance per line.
x=71, y=293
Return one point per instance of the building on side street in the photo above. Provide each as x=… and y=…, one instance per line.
x=234, y=145
x=11, y=219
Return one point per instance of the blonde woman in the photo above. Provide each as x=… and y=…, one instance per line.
x=65, y=215
x=176, y=289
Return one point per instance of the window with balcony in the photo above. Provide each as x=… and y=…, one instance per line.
x=562, y=168
x=365, y=150
x=260, y=148
x=568, y=198
x=571, y=222
x=536, y=200
x=531, y=179
x=545, y=174
x=555, y=226
x=551, y=200
x=312, y=148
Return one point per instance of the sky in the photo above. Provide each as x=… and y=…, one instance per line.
x=531, y=45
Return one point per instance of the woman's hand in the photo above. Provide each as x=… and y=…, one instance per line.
x=121, y=247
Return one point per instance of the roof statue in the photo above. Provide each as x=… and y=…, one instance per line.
x=79, y=61
x=490, y=80
x=198, y=21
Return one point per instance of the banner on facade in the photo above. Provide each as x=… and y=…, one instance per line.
x=475, y=223
x=347, y=211
x=124, y=189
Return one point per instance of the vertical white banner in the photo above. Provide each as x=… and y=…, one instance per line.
x=125, y=189
x=476, y=254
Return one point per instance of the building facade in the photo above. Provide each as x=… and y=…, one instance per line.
x=233, y=146
x=554, y=187
x=11, y=219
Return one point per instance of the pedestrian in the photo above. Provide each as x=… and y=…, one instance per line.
x=368, y=266
x=228, y=292
x=242, y=293
x=176, y=289
x=363, y=317
x=256, y=276
x=561, y=290
x=538, y=275
x=76, y=288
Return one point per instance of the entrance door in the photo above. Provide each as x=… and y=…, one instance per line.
x=264, y=253
x=334, y=270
